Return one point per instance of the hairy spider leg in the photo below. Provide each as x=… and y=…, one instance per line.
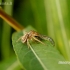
x=19, y=39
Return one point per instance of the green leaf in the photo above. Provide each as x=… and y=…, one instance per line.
x=39, y=56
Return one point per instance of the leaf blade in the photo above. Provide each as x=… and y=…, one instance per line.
x=40, y=57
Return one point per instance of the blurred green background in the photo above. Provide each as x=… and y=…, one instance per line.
x=48, y=17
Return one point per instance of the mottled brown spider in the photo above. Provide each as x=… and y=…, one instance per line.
x=34, y=35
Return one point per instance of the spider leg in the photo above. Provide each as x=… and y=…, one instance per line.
x=19, y=39
x=28, y=43
x=38, y=40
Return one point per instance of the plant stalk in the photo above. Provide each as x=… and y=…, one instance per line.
x=10, y=20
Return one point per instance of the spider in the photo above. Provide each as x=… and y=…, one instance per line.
x=34, y=35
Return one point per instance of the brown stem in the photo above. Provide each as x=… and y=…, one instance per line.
x=10, y=20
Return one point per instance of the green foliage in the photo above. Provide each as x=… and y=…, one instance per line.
x=39, y=56
x=10, y=64
x=6, y=33
x=48, y=17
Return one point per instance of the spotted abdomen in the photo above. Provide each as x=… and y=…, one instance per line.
x=48, y=38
